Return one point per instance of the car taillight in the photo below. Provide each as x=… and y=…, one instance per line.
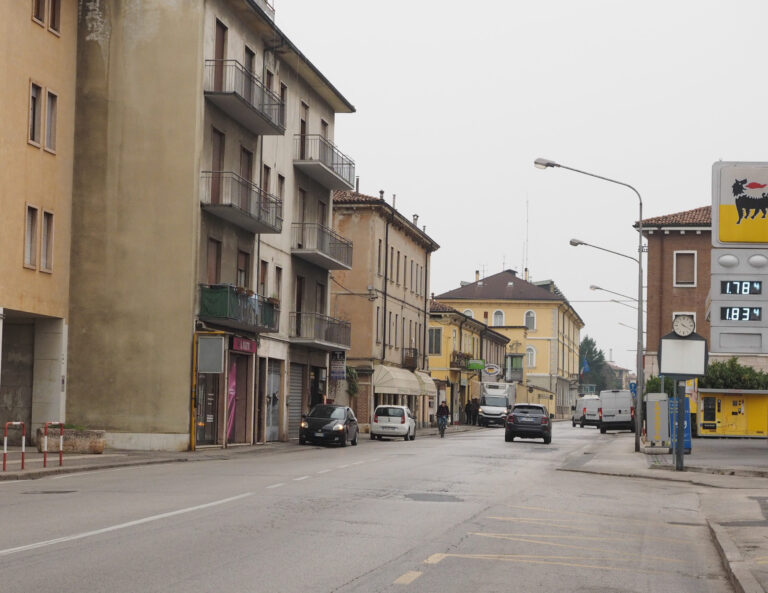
x=544, y=420
x=375, y=417
x=511, y=419
x=402, y=419
x=632, y=411
x=584, y=412
x=600, y=413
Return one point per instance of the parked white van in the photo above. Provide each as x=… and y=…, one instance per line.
x=617, y=410
x=586, y=412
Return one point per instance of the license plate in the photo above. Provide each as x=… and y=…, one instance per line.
x=388, y=427
x=318, y=434
x=528, y=420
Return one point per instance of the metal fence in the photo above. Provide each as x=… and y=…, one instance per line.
x=319, y=327
x=314, y=236
x=313, y=147
x=230, y=76
x=228, y=188
x=233, y=306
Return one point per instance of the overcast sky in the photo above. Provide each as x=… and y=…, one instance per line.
x=455, y=100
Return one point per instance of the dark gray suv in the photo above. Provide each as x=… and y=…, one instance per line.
x=530, y=421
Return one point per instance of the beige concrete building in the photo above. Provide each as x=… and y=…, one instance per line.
x=384, y=296
x=37, y=113
x=202, y=241
x=551, y=343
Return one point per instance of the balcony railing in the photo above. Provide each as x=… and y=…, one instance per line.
x=229, y=196
x=321, y=246
x=322, y=161
x=410, y=358
x=459, y=360
x=233, y=307
x=242, y=96
x=320, y=331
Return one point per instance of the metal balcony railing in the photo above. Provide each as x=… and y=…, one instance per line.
x=410, y=358
x=321, y=329
x=313, y=147
x=231, y=77
x=459, y=359
x=312, y=236
x=235, y=307
x=256, y=210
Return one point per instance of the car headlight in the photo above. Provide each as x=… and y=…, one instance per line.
x=304, y=424
x=338, y=427
x=480, y=410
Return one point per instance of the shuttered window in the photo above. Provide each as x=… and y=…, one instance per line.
x=685, y=268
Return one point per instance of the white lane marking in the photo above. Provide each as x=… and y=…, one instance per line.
x=342, y=466
x=276, y=485
x=76, y=536
x=324, y=471
x=356, y=463
x=300, y=478
x=90, y=473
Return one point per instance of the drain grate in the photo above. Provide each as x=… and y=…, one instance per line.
x=428, y=497
x=50, y=492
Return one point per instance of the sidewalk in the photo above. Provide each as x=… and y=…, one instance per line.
x=733, y=476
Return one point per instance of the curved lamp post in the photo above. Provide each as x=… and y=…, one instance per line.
x=542, y=163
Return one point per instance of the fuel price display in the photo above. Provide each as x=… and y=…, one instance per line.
x=741, y=287
x=741, y=313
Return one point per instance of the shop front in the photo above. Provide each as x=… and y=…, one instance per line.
x=396, y=386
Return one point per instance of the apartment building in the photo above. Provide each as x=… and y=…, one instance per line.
x=37, y=108
x=202, y=225
x=505, y=302
x=384, y=296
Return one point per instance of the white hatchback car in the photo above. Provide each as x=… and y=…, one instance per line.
x=393, y=421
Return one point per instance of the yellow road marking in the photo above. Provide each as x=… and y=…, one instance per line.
x=534, y=560
x=585, y=514
x=528, y=539
x=408, y=577
x=434, y=558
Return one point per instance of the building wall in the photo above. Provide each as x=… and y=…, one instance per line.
x=664, y=299
x=136, y=217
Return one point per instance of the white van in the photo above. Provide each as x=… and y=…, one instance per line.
x=617, y=410
x=586, y=412
x=495, y=403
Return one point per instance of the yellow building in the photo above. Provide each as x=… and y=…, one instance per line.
x=456, y=345
x=37, y=108
x=506, y=302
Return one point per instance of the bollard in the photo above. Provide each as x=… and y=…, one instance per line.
x=5, y=441
x=61, y=442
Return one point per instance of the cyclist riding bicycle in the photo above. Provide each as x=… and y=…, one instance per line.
x=442, y=417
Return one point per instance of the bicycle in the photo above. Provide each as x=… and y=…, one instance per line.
x=442, y=422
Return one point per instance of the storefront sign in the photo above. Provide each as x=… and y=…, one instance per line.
x=338, y=365
x=244, y=345
x=475, y=364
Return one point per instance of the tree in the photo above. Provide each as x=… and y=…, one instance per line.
x=599, y=373
x=732, y=375
x=653, y=385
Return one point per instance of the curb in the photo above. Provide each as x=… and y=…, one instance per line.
x=735, y=566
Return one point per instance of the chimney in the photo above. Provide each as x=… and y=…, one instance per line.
x=381, y=194
x=526, y=274
x=394, y=197
x=416, y=220
x=357, y=184
x=477, y=275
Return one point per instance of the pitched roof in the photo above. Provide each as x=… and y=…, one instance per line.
x=697, y=217
x=353, y=197
x=504, y=286
x=437, y=307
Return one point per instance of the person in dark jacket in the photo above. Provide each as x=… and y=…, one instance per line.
x=468, y=413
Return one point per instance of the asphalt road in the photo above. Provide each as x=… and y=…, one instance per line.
x=465, y=513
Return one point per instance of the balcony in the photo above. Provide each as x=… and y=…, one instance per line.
x=243, y=97
x=227, y=195
x=410, y=358
x=321, y=246
x=230, y=306
x=459, y=360
x=322, y=161
x=319, y=331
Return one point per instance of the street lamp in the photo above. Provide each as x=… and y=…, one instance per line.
x=542, y=163
x=593, y=287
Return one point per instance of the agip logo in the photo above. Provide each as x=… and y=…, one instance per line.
x=739, y=203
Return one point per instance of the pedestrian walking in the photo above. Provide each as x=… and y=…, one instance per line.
x=475, y=410
x=468, y=413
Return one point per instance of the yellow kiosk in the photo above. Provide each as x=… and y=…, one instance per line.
x=733, y=413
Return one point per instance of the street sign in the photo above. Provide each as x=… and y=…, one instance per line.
x=686, y=423
x=633, y=388
x=338, y=365
x=739, y=204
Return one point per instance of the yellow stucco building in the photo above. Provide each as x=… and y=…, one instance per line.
x=550, y=343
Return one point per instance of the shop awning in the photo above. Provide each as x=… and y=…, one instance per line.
x=395, y=381
x=426, y=383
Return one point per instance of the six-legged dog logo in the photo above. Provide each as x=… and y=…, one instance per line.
x=746, y=203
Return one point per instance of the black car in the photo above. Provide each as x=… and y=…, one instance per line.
x=329, y=423
x=530, y=421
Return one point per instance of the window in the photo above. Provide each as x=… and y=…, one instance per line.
x=269, y=80
x=498, y=318
x=278, y=282
x=391, y=264
x=378, y=323
x=214, y=261
x=435, y=340
x=398, y=267
x=30, y=238
x=35, y=106
x=281, y=187
x=530, y=357
x=378, y=259
x=389, y=337
x=38, y=11
x=54, y=14
x=685, y=268
x=320, y=298
x=46, y=250
x=265, y=179
x=530, y=320
x=242, y=268
x=469, y=313
x=249, y=63
x=395, y=336
x=405, y=271
x=263, y=271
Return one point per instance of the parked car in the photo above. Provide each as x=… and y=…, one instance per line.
x=586, y=411
x=393, y=421
x=617, y=410
x=329, y=423
x=529, y=421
